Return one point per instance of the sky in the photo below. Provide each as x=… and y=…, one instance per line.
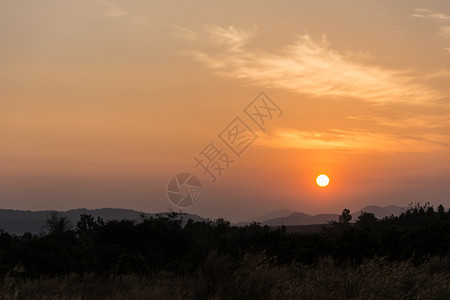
x=103, y=102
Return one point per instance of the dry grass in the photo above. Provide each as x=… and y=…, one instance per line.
x=257, y=278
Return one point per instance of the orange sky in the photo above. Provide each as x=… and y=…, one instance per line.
x=102, y=102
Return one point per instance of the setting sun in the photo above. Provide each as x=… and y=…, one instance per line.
x=322, y=180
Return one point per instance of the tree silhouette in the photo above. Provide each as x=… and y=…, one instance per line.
x=367, y=220
x=57, y=224
x=345, y=217
x=87, y=224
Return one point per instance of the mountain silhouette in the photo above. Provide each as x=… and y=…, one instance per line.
x=301, y=219
x=20, y=221
x=298, y=218
x=280, y=213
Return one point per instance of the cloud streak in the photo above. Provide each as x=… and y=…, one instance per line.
x=114, y=11
x=443, y=21
x=427, y=13
x=401, y=133
x=183, y=32
x=310, y=67
x=350, y=140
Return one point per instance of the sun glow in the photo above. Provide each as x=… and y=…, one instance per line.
x=322, y=180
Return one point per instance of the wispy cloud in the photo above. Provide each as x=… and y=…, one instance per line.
x=183, y=32
x=113, y=9
x=438, y=74
x=310, y=67
x=441, y=19
x=445, y=31
x=427, y=13
x=411, y=122
x=401, y=133
x=350, y=140
x=231, y=38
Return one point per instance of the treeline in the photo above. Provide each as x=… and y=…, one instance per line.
x=165, y=243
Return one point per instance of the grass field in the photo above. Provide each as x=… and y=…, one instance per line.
x=257, y=277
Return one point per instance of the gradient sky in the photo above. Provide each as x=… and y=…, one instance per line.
x=102, y=102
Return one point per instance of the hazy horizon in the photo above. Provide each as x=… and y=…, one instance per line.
x=103, y=102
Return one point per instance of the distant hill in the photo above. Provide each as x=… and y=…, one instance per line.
x=301, y=219
x=281, y=213
x=21, y=221
x=298, y=218
x=381, y=212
